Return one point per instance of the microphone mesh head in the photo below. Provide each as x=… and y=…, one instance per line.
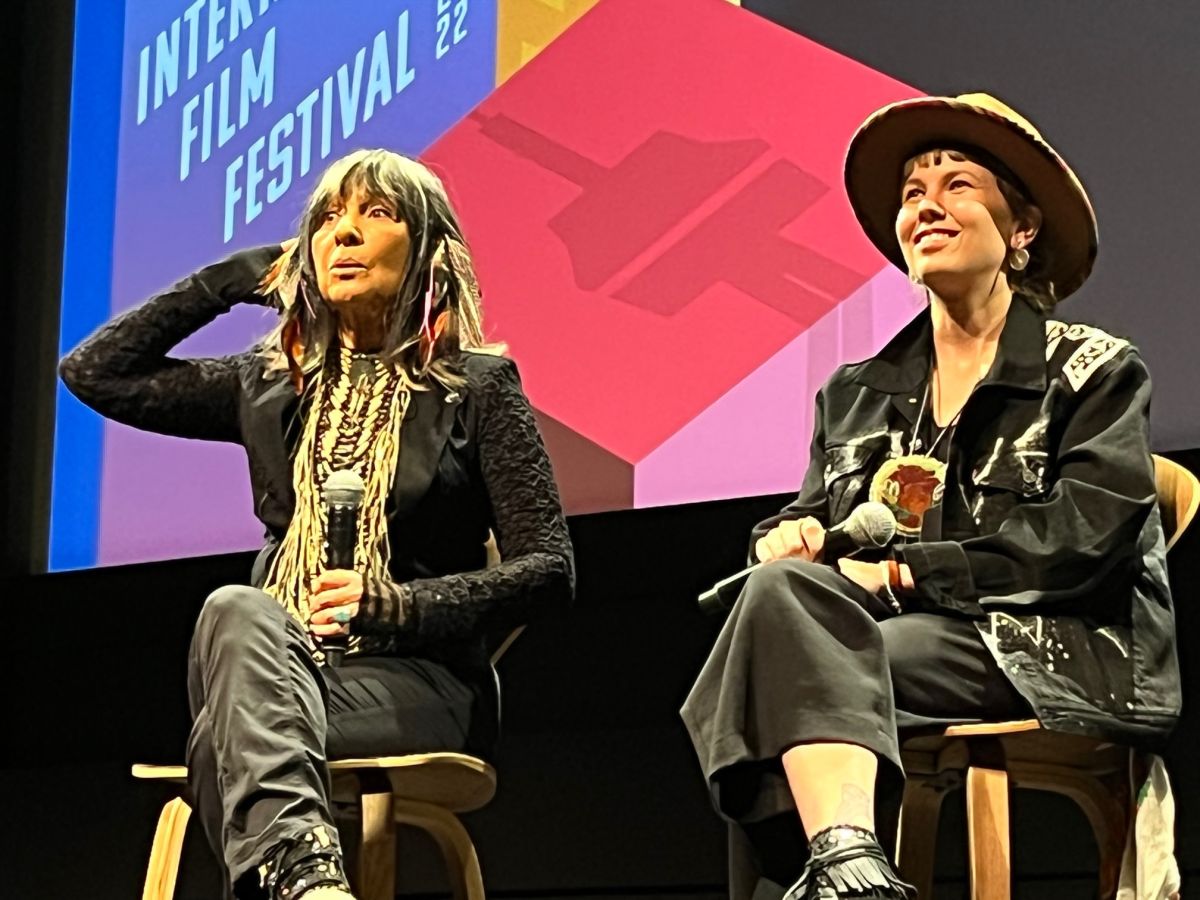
x=871, y=525
x=344, y=488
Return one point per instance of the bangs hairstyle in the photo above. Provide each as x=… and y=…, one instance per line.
x=1032, y=282
x=422, y=344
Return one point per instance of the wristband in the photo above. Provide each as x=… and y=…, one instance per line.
x=894, y=578
x=887, y=567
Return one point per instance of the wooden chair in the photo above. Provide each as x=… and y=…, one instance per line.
x=990, y=758
x=424, y=790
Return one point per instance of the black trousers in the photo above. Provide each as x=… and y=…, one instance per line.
x=807, y=655
x=266, y=718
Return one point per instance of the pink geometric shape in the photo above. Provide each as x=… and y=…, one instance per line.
x=656, y=207
x=754, y=440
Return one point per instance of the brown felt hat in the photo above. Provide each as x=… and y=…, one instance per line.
x=896, y=133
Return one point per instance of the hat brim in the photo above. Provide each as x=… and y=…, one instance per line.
x=893, y=135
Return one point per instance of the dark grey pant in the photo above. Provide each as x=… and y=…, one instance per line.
x=266, y=718
x=807, y=655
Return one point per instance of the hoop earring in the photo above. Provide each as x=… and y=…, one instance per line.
x=1018, y=259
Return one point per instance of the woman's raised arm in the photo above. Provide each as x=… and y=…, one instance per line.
x=124, y=373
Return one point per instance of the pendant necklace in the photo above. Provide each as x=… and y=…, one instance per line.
x=910, y=485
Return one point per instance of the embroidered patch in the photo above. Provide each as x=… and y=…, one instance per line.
x=1097, y=348
x=1091, y=355
x=1054, y=332
x=908, y=486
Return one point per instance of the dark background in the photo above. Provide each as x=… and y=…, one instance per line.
x=599, y=790
x=1110, y=86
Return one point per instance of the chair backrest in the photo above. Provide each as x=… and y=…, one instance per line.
x=506, y=643
x=1178, y=497
x=500, y=647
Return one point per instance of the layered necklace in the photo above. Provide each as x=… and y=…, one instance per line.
x=354, y=423
x=913, y=484
x=915, y=440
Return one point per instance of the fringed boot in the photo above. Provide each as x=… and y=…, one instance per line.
x=847, y=862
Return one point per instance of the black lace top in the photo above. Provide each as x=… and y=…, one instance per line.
x=472, y=460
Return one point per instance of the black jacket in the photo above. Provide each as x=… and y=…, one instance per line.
x=1052, y=539
x=470, y=460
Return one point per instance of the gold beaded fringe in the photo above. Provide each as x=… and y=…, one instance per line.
x=354, y=424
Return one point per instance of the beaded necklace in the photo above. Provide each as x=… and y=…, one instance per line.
x=354, y=423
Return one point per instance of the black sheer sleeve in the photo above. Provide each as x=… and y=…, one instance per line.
x=123, y=370
x=537, y=571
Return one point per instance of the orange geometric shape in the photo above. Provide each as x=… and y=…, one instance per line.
x=524, y=28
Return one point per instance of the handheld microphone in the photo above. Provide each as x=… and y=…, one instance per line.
x=870, y=526
x=343, y=492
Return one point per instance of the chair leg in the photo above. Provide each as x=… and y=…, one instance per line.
x=917, y=842
x=743, y=872
x=376, y=875
x=462, y=863
x=1106, y=803
x=988, y=833
x=165, y=852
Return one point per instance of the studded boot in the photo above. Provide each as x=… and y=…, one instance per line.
x=305, y=868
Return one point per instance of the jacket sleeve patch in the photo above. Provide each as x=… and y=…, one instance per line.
x=1095, y=348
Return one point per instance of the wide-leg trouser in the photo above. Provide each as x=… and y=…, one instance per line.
x=266, y=718
x=807, y=655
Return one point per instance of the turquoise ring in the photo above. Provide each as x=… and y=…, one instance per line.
x=342, y=616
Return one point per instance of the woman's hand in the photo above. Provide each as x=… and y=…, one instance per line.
x=334, y=602
x=285, y=251
x=872, y=576
x=793, y=539
x=867, y=575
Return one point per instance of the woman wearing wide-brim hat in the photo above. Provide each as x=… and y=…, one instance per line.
x=1027, y=578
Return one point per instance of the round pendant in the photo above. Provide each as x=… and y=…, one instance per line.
x=908, y=486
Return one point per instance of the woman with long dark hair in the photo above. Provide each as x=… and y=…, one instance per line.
x=378, y=366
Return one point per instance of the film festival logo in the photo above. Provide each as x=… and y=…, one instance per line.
x=330, y=113
x=702, y=213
